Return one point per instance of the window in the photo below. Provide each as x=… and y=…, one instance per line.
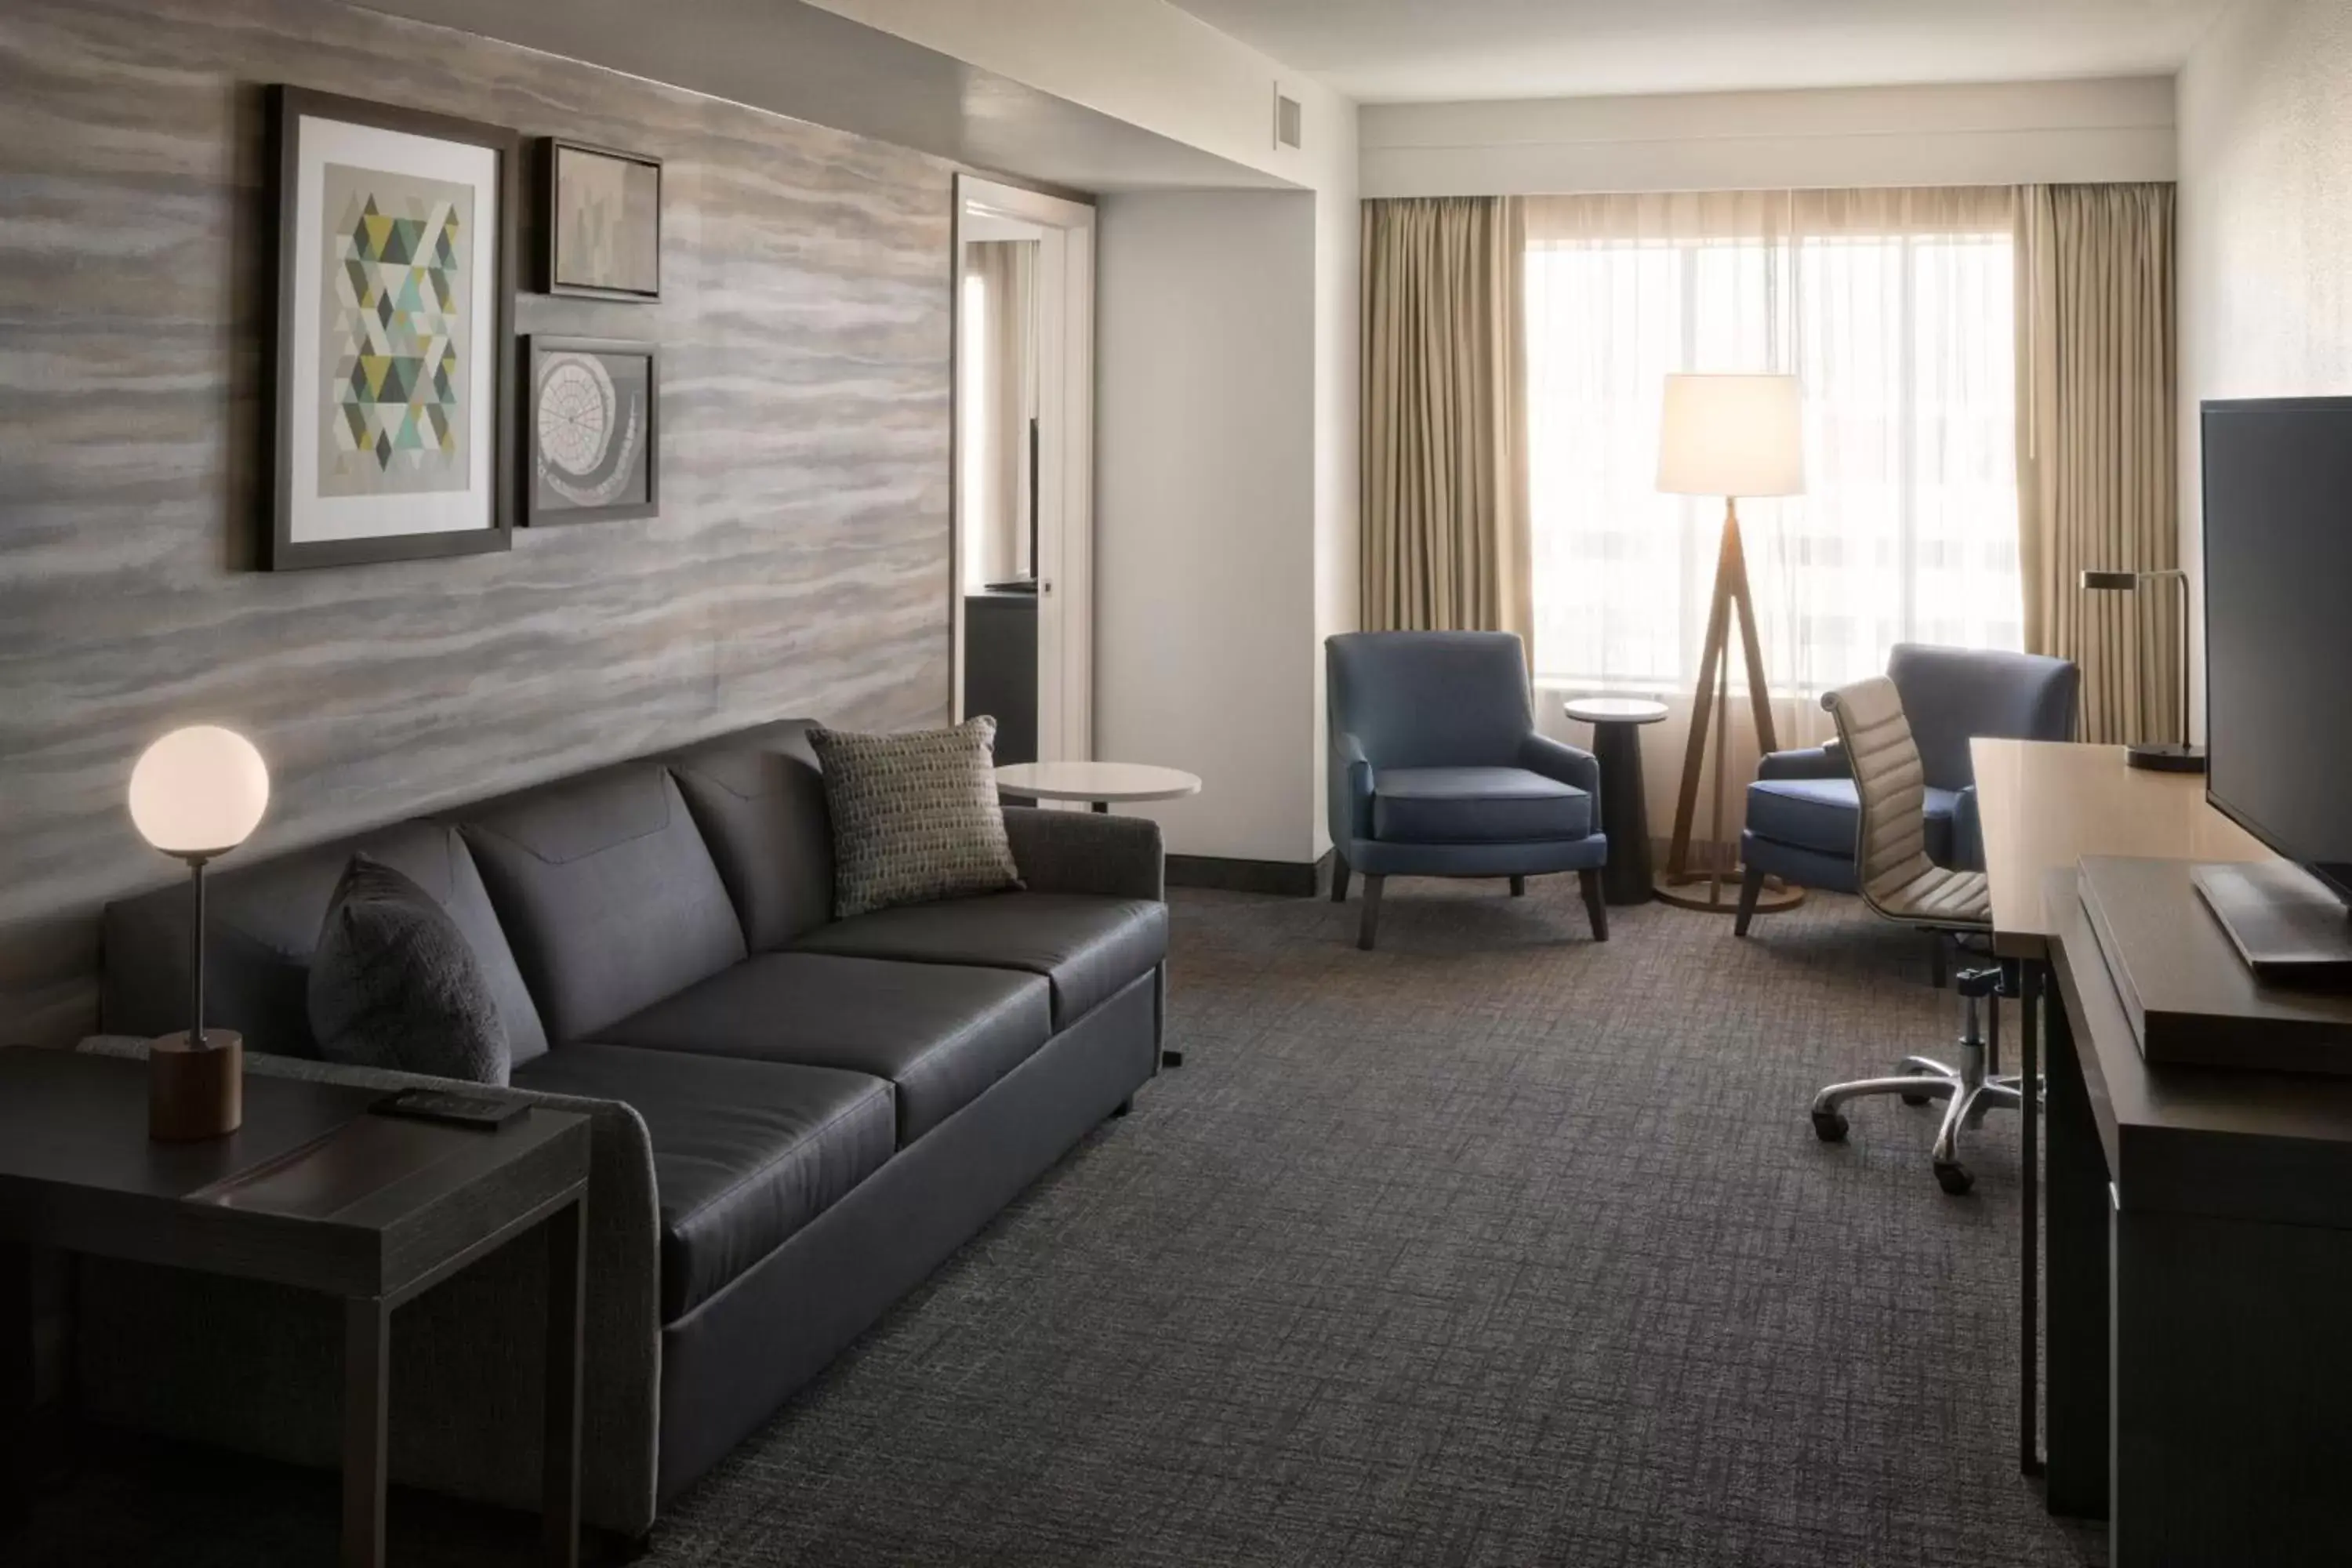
x=1895, y=310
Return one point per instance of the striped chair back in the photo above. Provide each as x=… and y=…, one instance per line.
x=1891, y=861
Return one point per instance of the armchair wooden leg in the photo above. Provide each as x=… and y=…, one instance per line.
x=1519, y=887
x=1935, y=941
x=1372, y=926
x=1338, y=878
x=1751, y=888
x=1593, y=905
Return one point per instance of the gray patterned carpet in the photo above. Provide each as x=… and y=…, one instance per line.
x=1494, y=1246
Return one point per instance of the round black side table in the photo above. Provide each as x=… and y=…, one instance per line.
x=1624, y=812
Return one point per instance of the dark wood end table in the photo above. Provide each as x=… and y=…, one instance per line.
x=1625, y=808
x=313, y=1192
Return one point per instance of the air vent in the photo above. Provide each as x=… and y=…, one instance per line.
x=1286, y=114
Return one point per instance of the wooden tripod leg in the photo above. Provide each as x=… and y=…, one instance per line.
x=1751, y=646
x=1702, y=705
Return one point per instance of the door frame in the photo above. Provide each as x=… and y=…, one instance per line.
x=1066, y=457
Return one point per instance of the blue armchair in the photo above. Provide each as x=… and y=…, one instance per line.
x=1436, y=770
x=1802, y=811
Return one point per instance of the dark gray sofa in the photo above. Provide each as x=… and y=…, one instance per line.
x=796, y=1119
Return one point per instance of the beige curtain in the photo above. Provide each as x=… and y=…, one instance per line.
x=2097, y=367
x=1444, y=420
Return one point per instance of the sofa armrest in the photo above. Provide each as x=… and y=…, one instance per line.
x=1568, y=765
x=1825, y=761
x=177, y=1352
x=1087, y=852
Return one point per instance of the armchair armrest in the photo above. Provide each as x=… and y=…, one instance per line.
x=1351, y=786
x=1825, y=761
x=1967, y=831
x=1087, y=852
x=174, y=1352
x=1569, y=765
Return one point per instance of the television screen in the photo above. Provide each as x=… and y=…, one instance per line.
x=2278, y=624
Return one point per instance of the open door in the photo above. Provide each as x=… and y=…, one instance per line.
x=1023, y=482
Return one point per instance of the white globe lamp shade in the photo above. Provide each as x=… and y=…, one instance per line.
x=199, y=791
x=1732, y=435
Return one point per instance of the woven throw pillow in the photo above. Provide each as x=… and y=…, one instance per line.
x=396, y=985
x=915, y=816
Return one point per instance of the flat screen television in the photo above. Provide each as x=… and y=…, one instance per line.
x=2278, y=645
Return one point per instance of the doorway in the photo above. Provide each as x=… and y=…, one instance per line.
x=1022, y=540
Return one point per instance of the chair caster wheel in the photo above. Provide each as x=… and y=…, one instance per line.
x=1914, y=1099
x=1829, y=1126
x=1953, y=1177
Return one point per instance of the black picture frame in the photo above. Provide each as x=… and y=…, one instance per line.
x=551, y=168
x=282, y=551
x=539, y=347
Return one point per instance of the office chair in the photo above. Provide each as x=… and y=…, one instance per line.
x=1898, y=881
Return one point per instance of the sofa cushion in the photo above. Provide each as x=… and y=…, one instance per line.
x=760, y=802
x=607, y=892
x=940, y=1033
x=745, y=1153
x=1822, y=815
x=394, y=985
x=262, y=928
x=915, y=816
x=1089, y=947
x=1476, y=806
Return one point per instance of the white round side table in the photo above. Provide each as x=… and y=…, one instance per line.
x=1102, y=785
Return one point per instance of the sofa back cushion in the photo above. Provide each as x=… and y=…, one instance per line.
x=607, y=893
x=263, y=928
x=759, y=800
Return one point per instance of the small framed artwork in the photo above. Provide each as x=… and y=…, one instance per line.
x=392, y=394
x=602, y=222
x=593, y=429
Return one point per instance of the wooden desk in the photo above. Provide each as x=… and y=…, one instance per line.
x=2042, y=806
x=2200, y=1256
x=313, y=1192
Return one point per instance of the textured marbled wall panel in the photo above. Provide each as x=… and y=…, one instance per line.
x=800, y=564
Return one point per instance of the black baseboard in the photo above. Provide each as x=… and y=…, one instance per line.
x=1287, y=879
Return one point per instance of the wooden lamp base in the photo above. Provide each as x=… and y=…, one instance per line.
x=195, y=1091
x=1720, y=895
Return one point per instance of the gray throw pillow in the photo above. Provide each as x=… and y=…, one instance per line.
x=915, y=816
x=396, y=985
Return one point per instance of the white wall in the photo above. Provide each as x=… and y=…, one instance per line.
x=2266, y=221
x=1206, y=508
x=2006, y=133
x=1227, y=404
x=1143, y=61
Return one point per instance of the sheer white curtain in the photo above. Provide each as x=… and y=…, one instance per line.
x=1896, y=309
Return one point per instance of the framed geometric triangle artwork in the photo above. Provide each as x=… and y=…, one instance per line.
x=393, y=380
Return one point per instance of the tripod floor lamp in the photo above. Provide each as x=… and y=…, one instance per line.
x=1727, y=436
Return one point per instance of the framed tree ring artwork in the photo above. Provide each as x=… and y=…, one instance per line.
x=602, y=222
x=593, y=427
x=393, y=397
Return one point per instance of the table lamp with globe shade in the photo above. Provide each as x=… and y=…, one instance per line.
x=197, y=793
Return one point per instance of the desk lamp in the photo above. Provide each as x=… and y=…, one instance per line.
x=197, y=793
x=2164, y=756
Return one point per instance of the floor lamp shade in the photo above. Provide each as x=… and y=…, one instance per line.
x=1727, y=436
x=197, y=793
x=1732, y=435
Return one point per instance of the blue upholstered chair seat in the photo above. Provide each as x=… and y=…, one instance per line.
x=1819, y=814
x=1476, y=806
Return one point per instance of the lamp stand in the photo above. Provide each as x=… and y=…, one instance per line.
x=1678, y=884
x=2166, y=756
x=195, y=1080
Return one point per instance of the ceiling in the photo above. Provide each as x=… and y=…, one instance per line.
x=1383, y=51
